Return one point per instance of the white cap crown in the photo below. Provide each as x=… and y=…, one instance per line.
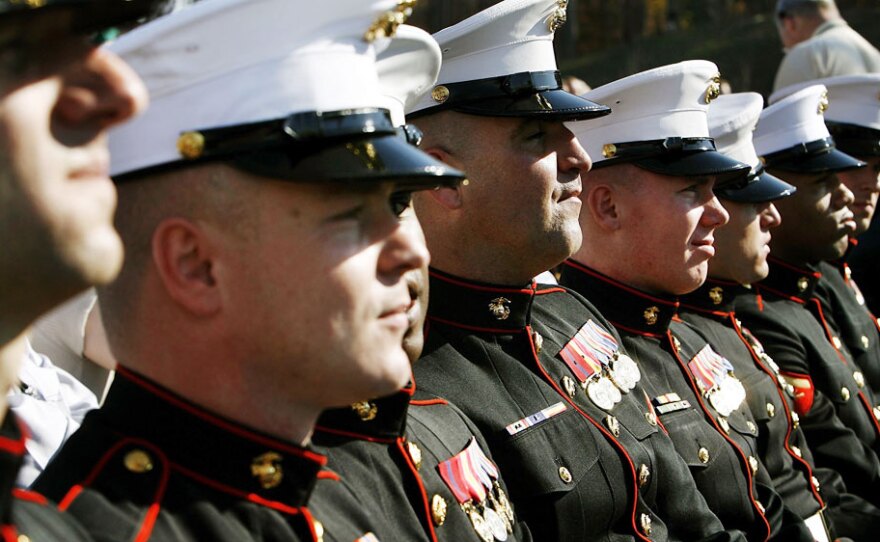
x=732, y=119
x=793, y=120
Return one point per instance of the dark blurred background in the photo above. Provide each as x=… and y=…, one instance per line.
x=605, y=40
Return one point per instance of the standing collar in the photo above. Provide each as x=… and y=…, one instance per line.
x=378, y=420
x=481, y=306
x=207, y=445
x=715, y=297
x=624, y=306
x=789, y=281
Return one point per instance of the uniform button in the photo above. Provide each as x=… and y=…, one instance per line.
x=652, y=418
x=725, y=425
x=844, y=393
x=859, y=378
x=771, y=409
x=877, y=413
x=565, y=475
x=319, y=530
x=538, y=340
x=645, y=522
x=752, y=427
x=138, y=461
x=644, y=475
x=797, y=451
x=676, y=343
x=795, y=420
x=753, y=464
x=23, y=538
x=865, y=342
x=613, y=425
x=760, y=506
x=836, y=342
x=415, y=453
x=815, y=482
x=438, y=510
x=703, y=455
x=569, y=386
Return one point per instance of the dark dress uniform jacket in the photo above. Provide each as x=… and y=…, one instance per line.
x=148, y=465
x=387, y=453
x=25, y=515
x=835, y=415
x=847, y=318
x=582, y=473
x=781, y=441
x=721, y=451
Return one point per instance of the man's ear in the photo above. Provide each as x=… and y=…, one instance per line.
x=183, y=257
x=602, y=205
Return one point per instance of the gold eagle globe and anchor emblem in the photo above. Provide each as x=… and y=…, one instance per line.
x=716, y=294
x=650, y=315
x=267, y=470
x=500, y=308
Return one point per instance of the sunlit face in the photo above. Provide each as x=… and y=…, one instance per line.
x=864, y=183
x=318, y=289
x=669, y=224
x=523, y=197
x=816, y=221
x=417, y=282
x=58, y=97
x=743, y=244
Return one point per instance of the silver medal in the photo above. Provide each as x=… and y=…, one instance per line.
x=495, y=524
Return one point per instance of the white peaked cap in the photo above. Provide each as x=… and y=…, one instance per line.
x=670, y=101
x=233, y=62
x=408, y=65
x=797, y=118
x=732, y=119
x=852, y=99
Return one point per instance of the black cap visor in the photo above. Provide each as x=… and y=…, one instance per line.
x=89, y=16
x=818, y=156
x=855, y=140
x=526, y=94
x=760, y=188
x=346, y=146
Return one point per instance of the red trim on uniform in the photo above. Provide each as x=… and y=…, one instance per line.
x=223, y=424
x=801, y=270
x=622, y=286
x=778, y=293
x=597, y=425
x=554, y=290
x=310, y=521
x=148, y=523
x=252, y=497
x=350, y=434
x=71, y=495
x=472, y=286
x=328, y=475
x=9, y=533
x=759, y=301
x=29, y=496
x=429, y=402
x=789, y=426
x=471, y=328
x=424, y=494
x=14, y=446
x=636, y=331
x=706, y=413
x=803, y=397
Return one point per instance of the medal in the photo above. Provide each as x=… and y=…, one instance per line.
x=593, y=355
x=719, y=401
x=599, y=390
x=503, y=506
x=624, y=371
x=497, y=526
x=480, y=525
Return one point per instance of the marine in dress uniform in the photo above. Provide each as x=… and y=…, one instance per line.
x=532, y=365
x=741, y=258
x=295, y=99
x=417, y=466
x=55, y=32
x=795, y=145
x=693, y=388
x=853, y=119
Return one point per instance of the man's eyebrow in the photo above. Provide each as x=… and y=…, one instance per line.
x=524, y=126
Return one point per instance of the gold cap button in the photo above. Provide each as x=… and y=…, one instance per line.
x=191, y=145
x=753, y=464
x=138, y=461
x=644, y=475
x=703, y=455
x=438, y=510
x=440, y=94
x=771, y=409
x=865, y=342
x=613, y=425
x=859, y=378
x=797, y=451
x=844, y=393
x=645, y=522
x=415, y=453
x=609, y=150
x=565, y=475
